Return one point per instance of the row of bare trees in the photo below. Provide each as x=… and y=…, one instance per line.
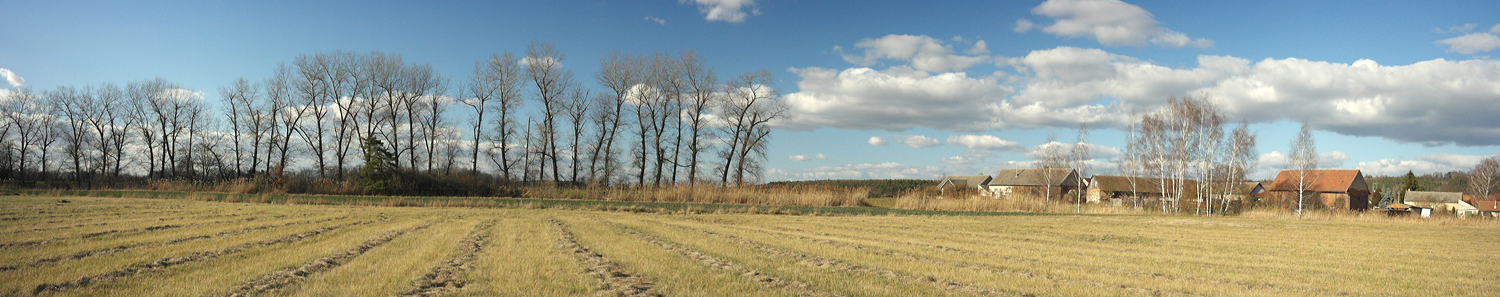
x=1185, y=141
x=662, y=119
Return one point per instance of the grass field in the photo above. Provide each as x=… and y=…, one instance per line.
x=91, y=246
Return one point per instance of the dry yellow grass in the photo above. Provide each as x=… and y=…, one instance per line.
x=1259, y=253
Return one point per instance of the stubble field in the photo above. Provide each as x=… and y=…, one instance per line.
x=146, y=247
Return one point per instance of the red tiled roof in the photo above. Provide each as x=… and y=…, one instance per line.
x=1323, y=180
x=1490, y=205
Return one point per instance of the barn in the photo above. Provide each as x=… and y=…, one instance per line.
x=977, y=182
x=1117, y=190
x=1057, y=181
x=1326, y=188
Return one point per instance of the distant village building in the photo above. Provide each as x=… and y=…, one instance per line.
x=1490, y=208
x=1057, y=181
x=977, y=182
x=1401, y=209
x=1451, y=202
x=1325, y=188
x=1117, y=190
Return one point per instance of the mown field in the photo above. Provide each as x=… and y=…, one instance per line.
x=82, y=246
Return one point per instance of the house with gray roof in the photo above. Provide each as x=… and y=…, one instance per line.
x=1056, y=181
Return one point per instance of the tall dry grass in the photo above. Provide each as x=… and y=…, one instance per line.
x=927, y=200
x=764, y=195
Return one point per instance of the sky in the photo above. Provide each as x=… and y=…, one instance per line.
x=883, y=89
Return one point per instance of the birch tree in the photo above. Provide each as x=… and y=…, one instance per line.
x=1483, y=178
x=1304, y=159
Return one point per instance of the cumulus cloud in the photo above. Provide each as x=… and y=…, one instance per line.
x=1023, y=25
x=732, y=11
x=1456, y=29
x=917, y=141
x=1432, y=102
x=888, y=170
x=1495, y=29
x=1434, y=163
x=656, y=20
x=922, y=52
x=526, y=61
x=798, y=158
x=821, y=157
x=12, y=78
x=1269, y=164
x=895, y=99
x=1472, y=43
x=875, y=140
x=979, y=48
x=983, y=142
x=1110, y=22
x=1095, y=151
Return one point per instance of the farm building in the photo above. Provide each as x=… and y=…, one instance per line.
x=1441, y=202
x=977, y=182
x=1057, y=181
x=1326, y=188
x=1488, y=207
x=1247, y=190
x=1399, y=209
x=1117, y=190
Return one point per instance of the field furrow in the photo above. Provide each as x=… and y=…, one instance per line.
x=448, y=277
x=164, y=263
x=276, y=280
x=770, y=281
x=613, y=279
x=119, y=248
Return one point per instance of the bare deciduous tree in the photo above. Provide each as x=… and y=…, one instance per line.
x=1483, y=178
x=1080, y=163
x=1304, y=159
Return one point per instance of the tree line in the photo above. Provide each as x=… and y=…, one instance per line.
x=660, y=120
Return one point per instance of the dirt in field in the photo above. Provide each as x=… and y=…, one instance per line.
x=614, y=280
x=115, y=249
x=163, y=263
x=800, y=288
x=274, y=281
x=448, y=276
x=838, y=265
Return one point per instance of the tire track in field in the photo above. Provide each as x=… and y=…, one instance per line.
x=447, y=277
x=81, y=224
x=167, y=262
x=613, y=279
x=115, y=231
x=1039, y=262
x=973, y=266
x=271, y=282
x=840, y=265
x=801, y=288
x=1122, y=271
x=111, y=250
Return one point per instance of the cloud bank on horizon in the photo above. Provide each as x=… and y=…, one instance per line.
x=1432, y=102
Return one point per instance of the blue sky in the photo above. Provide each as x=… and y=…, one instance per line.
x=1389, y=86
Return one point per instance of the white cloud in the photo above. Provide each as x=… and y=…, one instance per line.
x=1495, y=29
x=526, y=61
x=922, y=52
x=656, y=20
x=1433, y=102
x=12, y=78
x=1472, y=43
x=983, y=142
x=874, y=140
x=979, y=48
x=1096, y=152
x=1435, y=163
x=1110, y=22
x=1269, y=164
x=798, y=158
x=1023, y=25
x=895, y=99
x=1456, y=29
x=917, y=141
x=732, y=11
x=821, y=157
x=887, y=170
